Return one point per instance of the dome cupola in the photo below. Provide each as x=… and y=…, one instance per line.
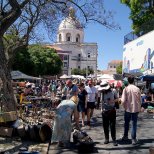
x=70, y=29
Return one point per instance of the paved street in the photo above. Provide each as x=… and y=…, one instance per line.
x=145, y=137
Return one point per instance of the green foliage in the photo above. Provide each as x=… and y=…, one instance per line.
x=22, y=61
x=37, y=60
x=83, y=72
x=119, y=68
x=142, y=15
x=46, y=60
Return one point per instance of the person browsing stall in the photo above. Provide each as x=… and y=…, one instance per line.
x=108, y=111
x=63, y=124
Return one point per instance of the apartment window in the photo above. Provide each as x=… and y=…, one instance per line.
x=88, y=55
x=78, y=67
x=65, y=57
x=65, y=64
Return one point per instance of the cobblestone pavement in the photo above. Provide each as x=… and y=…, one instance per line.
x=145, y=135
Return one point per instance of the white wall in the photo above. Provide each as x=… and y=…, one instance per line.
x=138, y=55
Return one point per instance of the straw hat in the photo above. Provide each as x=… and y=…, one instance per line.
x=74, y=99
x=104, y=86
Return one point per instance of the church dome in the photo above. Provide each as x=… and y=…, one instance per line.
x=70, y=22
x=70, y=29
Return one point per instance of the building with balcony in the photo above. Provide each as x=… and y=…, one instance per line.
x=70, y=45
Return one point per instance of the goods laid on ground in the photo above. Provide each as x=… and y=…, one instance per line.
x=34, y=121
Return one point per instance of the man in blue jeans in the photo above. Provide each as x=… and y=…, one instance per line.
x=131, y=101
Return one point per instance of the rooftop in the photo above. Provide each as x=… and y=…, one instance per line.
x=115, y=62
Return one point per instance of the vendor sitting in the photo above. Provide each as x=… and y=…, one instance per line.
x=28, y=90
x=147, y=100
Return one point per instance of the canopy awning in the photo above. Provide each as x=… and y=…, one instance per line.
x=19, y=75
x=149, y=78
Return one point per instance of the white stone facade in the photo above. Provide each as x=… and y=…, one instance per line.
x=74, y=52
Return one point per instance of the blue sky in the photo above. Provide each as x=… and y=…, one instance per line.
x=110, y=42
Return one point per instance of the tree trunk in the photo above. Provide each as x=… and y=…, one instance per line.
x=7, y=90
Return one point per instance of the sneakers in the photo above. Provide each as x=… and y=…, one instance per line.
x=134, y=142
x=115, y=143
x=106, y=141
x=124, y=138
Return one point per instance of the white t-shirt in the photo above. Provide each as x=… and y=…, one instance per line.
x=92, y=91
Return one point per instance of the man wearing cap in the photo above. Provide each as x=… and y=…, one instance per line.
x=91, y=99
x=108, y=111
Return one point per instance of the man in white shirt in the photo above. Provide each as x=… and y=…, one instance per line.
x=91, y=99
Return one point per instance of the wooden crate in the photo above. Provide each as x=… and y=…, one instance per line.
x=8, y=116
x=6, y=131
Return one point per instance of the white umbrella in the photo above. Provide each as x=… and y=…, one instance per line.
x=106, y=77
x=78, y=77
x=64, y=76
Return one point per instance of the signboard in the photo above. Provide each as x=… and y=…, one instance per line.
x=138, y=55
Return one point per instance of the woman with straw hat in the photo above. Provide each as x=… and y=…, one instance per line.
x=62, y=124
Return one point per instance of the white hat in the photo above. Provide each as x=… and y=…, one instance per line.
x=104, y=86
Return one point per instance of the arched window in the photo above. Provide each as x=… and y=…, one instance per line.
x=60, y=38
x=68, y=37
x=77, y=38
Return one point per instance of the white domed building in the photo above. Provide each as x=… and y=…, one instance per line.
x=70, y=45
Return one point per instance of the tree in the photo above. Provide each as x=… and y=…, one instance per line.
x=142, y=15
x=119, y=68
x=84, y=72
x=24, y=18
x=46, y=61
x=76, y=71
x=23, y=62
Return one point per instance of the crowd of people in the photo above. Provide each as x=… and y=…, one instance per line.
x=80, y=98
